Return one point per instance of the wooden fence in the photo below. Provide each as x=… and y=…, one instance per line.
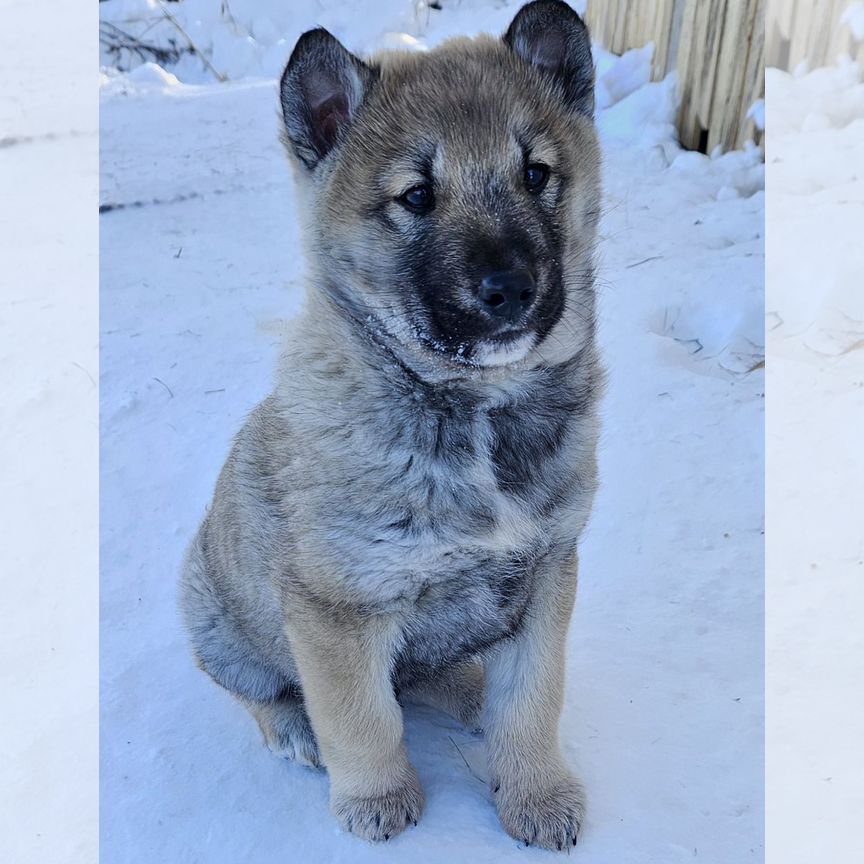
x=718, y=48
x=808, y=31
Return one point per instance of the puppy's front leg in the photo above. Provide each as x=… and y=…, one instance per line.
x=538, y=800
x=344, y=660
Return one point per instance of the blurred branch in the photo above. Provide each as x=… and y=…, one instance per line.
x=193, y=47
x=116, y=40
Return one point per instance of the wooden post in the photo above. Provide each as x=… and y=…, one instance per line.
x=718, y=48
x=808, y=31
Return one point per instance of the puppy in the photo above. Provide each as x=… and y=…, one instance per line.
x=401, y=516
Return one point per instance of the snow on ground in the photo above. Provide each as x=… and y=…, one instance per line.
x=815, y=320
x=49, y=414
x=200, y=266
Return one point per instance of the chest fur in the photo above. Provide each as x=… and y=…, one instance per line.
x=440, y=488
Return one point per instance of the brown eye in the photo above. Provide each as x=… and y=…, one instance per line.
x=418, y=199
x=536, y=177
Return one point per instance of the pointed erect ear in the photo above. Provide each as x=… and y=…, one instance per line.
x=320, y=91
x=548, y=34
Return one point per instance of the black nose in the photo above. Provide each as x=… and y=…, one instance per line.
x=507, y=294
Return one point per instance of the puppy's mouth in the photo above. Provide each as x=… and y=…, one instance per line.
x=465, y=335
x=504, y=349
x=499, y=349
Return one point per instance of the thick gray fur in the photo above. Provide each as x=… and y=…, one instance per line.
x=397, y=518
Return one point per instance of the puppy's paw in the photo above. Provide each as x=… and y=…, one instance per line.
x=380, y=817
x=288, y=733
x=547, y=814
x=297, y=745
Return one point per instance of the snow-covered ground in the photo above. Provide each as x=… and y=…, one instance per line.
x=49, y=416
x=815, y=321
x=200, y=266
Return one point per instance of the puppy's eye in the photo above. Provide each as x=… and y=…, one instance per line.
x=418, y=199
x=536, y=177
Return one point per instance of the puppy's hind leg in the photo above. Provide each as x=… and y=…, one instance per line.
x=286, y=729
x=456, y=690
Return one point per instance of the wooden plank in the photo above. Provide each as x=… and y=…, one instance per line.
x=698, y=69
x=723, y=116
x=621, y=25
x=839, y=37
x=637, y=25
x=725, y=81
x=753, y=82
x=775, y=44
x=689, y=130
x=714, y=17
x=811, y=31
x=783, y=13
x=619, y=31
x=821, y=30
x=665, y=17
x=843, y=42
x=799, y=37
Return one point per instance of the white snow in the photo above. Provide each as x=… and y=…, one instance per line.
x=853, y=18
x=822, y=111
x=618, y=77
x=815, y=548
x=200, y=265
x=756, y=113
x=49, y=413
x=152, y=73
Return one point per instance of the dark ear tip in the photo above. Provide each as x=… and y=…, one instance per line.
x=544, y=12
x=320, y=31
x=559, y=6
x=539, y=16
x=316, y=34
x=550, y=35
x=310, y=41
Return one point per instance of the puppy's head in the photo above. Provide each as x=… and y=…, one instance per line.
x=454, y=193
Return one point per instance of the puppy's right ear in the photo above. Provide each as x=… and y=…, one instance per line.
x=320, y=91
x=550, y=36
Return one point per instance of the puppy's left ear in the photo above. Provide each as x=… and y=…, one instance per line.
x=320, y=91
x=549, y=35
